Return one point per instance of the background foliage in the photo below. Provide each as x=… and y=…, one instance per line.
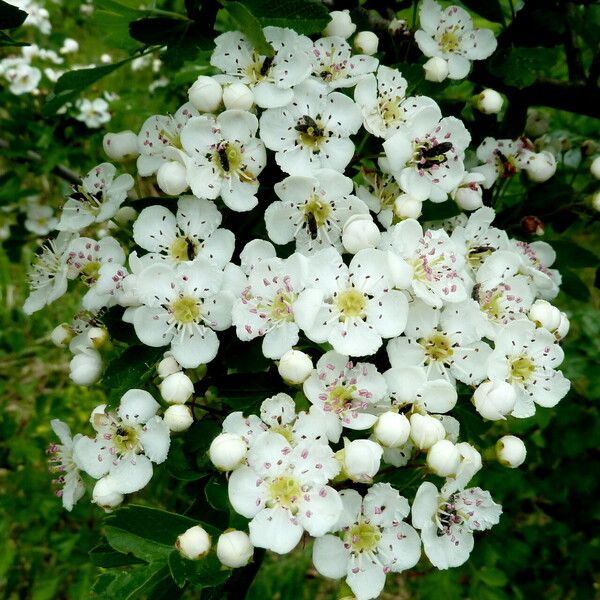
x=544, y=546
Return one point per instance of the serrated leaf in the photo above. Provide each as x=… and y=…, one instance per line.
x=250, y=26
x=204, y=572
x=11, y=16
x=304, y=16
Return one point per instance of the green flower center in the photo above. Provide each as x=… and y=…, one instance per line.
x=185, y=310
x=491, y=305
x=228, y=158
x=281, y=307
x=340, y=396
x=317, y=209
x=363, y=537
x=286, y=432
x=90, y=272
x=389, y=109
x=285, y=491
x=311, y=132
x=437, y=347
x=184, y=249
x=174, y=139
x=351, y=304
x=449, y=41
x=125, y=439
x=521, y=369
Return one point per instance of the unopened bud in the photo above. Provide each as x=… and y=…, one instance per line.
x=341, y=24
x=443, y=458
x=295, y=366
x=176, y=388
x=541, y=166
x=105, y=495
x=595, y=167
x=511, y=451
x=178, y=417
x=206, y=94
x=172, y=178
x=227, y=451
x=392, y=429
x=121, y=146
x=366, y=42
x=544, y=314
x=238, y=96
x=97, y=337
x=494, y=399
x=167, y=366
x=469, y=195
x=532, y=225
x=489, y=102
x=426, y=430
x=361, y=459
x=126, y=214
x=234, y=549
x=194, y=543
x=436, y=69
x=86, y=367
x=61, y=335
x=407, y=207
x=360, y=232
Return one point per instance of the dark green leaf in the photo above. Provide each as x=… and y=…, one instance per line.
x=574, y=286
x=11, y=16
x=131, y=369
x=204, y=572
x=6, y=41
x=489, y=9
x=180, y=464
x=160, y=31
x=492, y=576
x=149, y=581
x=249, y=25
x=520, y=67
x=304, y=16
x=216, y=494
x=570, y=254
x=104, y=556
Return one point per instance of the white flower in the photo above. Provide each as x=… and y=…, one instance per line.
x=183, y=238
x=526, y=358
x=501, y=158
x=443, y=458
x=194, y=543
x=96, y=199
x=543, y=314
x=352, y=308
x=446, y=343
x=206, y=94
x=61, y=461
x=426, y=153
x=340, y=25
x=494, y=399
x=436, y=263
x=23, y=78
x=312, y=210
x=392, y=429
x=447, y=522
x=511, y=451
x=178, y=417
x=295, y=366
x=48, y=274
x=121, y=145
x=366, y=42
x=540, y=166
x=40, y=219
x=489, y=102
x=94, y=113
x=468, y=194
x=126, y=444
x=374, y=540
x=360, y=232
x=379, y=191
x=313, y=131
x=284, y=491
x=334, y=64
x=176, y=388
x=536, y=260
x=266, y=306
x=224, y=158
x=234, y=548
x=360, y=459
x=183, y=306
x=227, y=451
x=425, y=430
x=449, y=34
x=345, y=391
x=85, y=367
x=159, y=140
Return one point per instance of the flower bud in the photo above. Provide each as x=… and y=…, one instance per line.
x=97, y=337
x=541, y=166
x=61, y=335
x=469, y=195
x=494, y=399
x=407, y=207
x=86, y=367
x=360, y=232
x=125, y=215
x=366, y=42
x=234, y=549
x=396, y=26
x=120, y=146
x=238, y=96
x=167, y=366
x=392, y=429
x=227, y=451
x=595, y=167
x=106, y=58
x=543, y=314
x=426, y=430
x=361, y=459
x=511, y=451
x=340, y=25
x=443, y=458
x=172, y=178
x=206, y=94
x=105, y=495
x=193, y=543
x=436, y=69
x=295, y=366
x=489, y=102
x=176, y=388
x=178, y=417
x=69, y=46
x=563, y=328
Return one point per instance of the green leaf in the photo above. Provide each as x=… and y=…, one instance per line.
x=492, y=576
x=131, y=369
x=304, y=16
x=149, y=581
x=70, y=84
x=160, y=31
x=6, y=41
x=216, y=493
x=573, y=285
x=249, y=25
x=570, y=254
x=104, y=556
x=204, y=572
x=112, y=19
x=148, y=533
x=11, y=16
x=520, y=67
x=489, y=9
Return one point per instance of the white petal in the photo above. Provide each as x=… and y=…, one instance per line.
x=276, y=530
x=137, y=406
x=247, y=491
x=155, y=439
x=320, y=509
x=330, y=557
x=131, y=473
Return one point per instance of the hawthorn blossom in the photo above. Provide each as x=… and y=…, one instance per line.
x=370, y=540
x=193, y=232
x=502, y=158
x=40, y=219
x=447, y=522
x=127, y=442
x=271, y=78
x=312, y=131
x=94, y=113
x=224, y=158
x=449, y=34
x=536, y=260
x=96, y=199
x=284, y=491
x=312, y=210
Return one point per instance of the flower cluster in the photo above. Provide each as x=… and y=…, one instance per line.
x=395, y=318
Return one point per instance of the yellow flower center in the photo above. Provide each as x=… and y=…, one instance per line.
x=351, y=303
x=184, y=249
x=340, y=396
x=125, y=439
x=285, y=491
x=281, y=307
x=318, y=209
x=185, y=310
x=228, y=158
x=437, y=347
x=310, y=132
x=389, y=109
x=90, y=272
x=491, y=305
x=449, y=41
x=174, y=139
x=521, y=369
x=363, y=537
